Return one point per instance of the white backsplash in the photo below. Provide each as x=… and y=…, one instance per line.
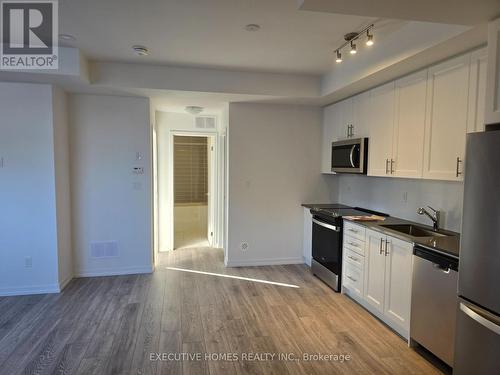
x=401, y=197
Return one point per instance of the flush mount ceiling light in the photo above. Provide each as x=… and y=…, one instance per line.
x=350, y=38
x=252, y=27
x=140, y=50
x=193, y=109
x=67, y=37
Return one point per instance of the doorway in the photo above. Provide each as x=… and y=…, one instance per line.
x=191, y=188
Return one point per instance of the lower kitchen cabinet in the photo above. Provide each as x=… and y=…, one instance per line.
x=387, y=275
x=307, y=238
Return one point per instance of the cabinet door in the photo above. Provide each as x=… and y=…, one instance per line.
x=492, y=112
x=307, y=239
x=409, y=125
x=446, y=119
x=477, y=91
x=381, y=107
x=398, y=273
x=361, y=115
x=330, y=115
x=344, y=119
x=374, y=270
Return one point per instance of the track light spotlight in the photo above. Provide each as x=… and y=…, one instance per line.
x=353, y=49
x=339, y=57
x=369, y=41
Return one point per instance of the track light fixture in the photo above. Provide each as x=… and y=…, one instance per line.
x=369, y=38
x=350, y=38
x=339, y=57
x=353, y=49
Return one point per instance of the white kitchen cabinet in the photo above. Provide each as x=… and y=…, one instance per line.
x=375, y=270
x=344, y=119
x=380, y=131
x=361, y=115
x=387, y=268
x=492, y=107
x=307, y=237
x=398, y=276
x=446, y=119
x=477, y=91
x=409, y=125
x=330, y=120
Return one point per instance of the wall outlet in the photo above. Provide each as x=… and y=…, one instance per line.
x=28, y=262
x=244, y=246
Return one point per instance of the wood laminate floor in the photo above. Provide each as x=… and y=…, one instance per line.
x=111, y=325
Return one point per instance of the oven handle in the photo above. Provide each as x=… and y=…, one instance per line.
x=328, y=226
x=351, y=155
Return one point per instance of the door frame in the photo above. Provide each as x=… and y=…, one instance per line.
x=214, y=218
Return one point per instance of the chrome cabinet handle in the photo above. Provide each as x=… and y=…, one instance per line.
x=352, y=278
x=458, y=166
x=353, y=230
x=386, y=166
x=392, y=163
x=353, y=258
x=381, y=242
x=386, y=250
x=353, y=244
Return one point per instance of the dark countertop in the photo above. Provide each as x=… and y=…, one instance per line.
x=449, y=245
x=324, y=205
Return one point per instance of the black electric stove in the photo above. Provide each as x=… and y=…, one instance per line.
x=327, y=226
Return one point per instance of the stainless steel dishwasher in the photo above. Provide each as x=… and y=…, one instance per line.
x=434, y=302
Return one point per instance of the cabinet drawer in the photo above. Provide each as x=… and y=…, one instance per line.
x=354, y=258
x=354, y=244
x=355, y=231
x=353, y=278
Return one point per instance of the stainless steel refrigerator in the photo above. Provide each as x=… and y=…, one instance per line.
x=477, y=340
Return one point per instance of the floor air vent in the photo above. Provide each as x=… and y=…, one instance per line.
x=105, y=249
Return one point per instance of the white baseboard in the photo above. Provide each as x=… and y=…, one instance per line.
x=32, y=289
x=264, y=262
x=65, y=282
x=113, y=271
x=307, y=261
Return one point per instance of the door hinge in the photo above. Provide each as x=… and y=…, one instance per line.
x=211, y=234
x=211, y=148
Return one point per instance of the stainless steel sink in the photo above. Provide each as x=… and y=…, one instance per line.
x=414, y=230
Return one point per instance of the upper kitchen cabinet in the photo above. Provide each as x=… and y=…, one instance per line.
x=330, y=115
x=344, y=126
x=361, y=114
x=409, y=125
x=492, y=112
x=477, y=90
x=446, y=119
x=380, y=130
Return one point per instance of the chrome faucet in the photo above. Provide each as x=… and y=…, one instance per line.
x=434, y=216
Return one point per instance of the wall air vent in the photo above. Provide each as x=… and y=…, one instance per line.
x=106, y=249
x=205, y=122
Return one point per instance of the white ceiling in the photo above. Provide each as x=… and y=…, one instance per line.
x=208, y=33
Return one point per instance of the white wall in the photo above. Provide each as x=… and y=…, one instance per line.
x=386, y=195
x=63, y=194
x=27, y=190
x=109, y=202
x=274, y=167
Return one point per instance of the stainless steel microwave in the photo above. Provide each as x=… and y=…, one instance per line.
x=350, y=156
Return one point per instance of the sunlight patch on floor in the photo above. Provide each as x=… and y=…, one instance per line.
x=233, y=277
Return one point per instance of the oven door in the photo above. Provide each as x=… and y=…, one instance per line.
x=348, y=156
x=327, y=245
